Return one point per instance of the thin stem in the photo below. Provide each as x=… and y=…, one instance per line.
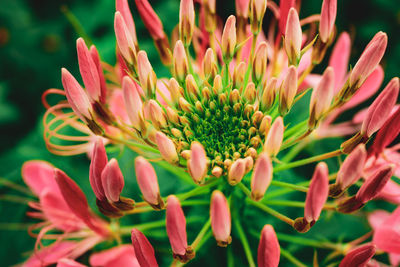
x=296, y=204
x=245, y=243
x=15, y=186
x=201, y=234
x=177, y=171
x=291, y=258
x=273, y=212
x=307, y=161
x=126, y=230
x=197, y=191
x=306, y=241
x=289, y=185
x=295, y=150
x=284, y=191
x=230, y=259
x=244, y=189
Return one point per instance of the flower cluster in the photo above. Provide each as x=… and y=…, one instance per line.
x=222, y=119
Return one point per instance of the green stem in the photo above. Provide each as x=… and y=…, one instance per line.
x=295, y=150
x=201, y=234
x=230, y=258
x=195, y=202
x=76, y=25
x=289, y=185
x=244, y=189
x=177, y=171
x=291, y=258
x=273, y=212
x=15, y=186
x=287, y=203
x=197, y=191
x=245, y=243
x=306, y=161
x=126, y=230
x=306, y=241
x=295, y=129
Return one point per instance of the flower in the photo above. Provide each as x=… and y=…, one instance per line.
x=231, y=115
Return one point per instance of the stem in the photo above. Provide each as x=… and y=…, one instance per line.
x=307, y=161
x=273, y=212
x=244, y=189
x=197, y=191
x=230, y=259
x=126, y=230
x=245, y=243
x=296, y=204
x=294, y=151
x=306, y=241
x=281, y=192
x=291, y=258
x=177, y=171
x=291, y=186
x=15, y=186
x=201, y=234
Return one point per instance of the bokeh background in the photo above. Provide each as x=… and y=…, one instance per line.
x=37, y=38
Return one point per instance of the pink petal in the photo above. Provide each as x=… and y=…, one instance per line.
x=39, y=175
x=121, y=256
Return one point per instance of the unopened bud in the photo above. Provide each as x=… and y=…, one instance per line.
x=274, y=138
x=327, y=22
x=166, y=147
x=293, y=37
x=288, y=90
x=147, y=76
x=197, y=164
x=257, y=12
x=269, y=94
x=220, y=219
x=228, y=42
x=236, y=171
x=260, y=62
x=250, y=92
x=157, y=115
x=268, y=254
x=239, y=75
x=186, y=21
x=209, y=65
x=180, y=62
x=262, y=176
x=112, y=181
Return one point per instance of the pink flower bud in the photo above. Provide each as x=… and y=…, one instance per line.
x=76, y=96
x=122, y=7
x=180, y=62
x=133, y=103
x=103, y=86
x=274, y=138
x=166, y=147
x=381, y=108
x=242, y=8
x=369, y=59
x=197, y=164
x=388, y=132
x=321, y=97
x=260, y=62
x=220, y=218
x=186, y=21
x=269, y=251
x=359, y=256
x=147, y=181
x=317, y=193
x=288, y=90
x=144, y=251
x=327, y=22
x=150, y=19
x=147, y=77
x=112, y=180
x=262, y=176
x=228, y=42
x=374, y=184
x=99, y=161
x=88, y=69
x=156, y=114
x=257, y=12
x=284, y=7
x=352, y=168
x=77, y=202
x=176, y=226
x=65, y=262
x=125, y=41
x=386, y=233
x=339, y=59
x=236, y=171
x=293, y=36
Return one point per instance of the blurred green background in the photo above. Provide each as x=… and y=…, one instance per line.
x=36, y=40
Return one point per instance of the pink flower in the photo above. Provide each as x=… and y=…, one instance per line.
x=220, y=218
x=120, y=256
x=148, y=183
x=378, y=220
x=268, y=249
x=327, y=22
x=317, y=193
x=144, y=251
x=122, y=7
x=274, y=138
x=293, y=37
x=369, y=59
x=374, y=184
x=176, y=228
x=381, y=108
x=166, y=147
x=76, y=96
x=112, y=180
x=97, y=165
x=150, y=19
x=69, y=263
x=50, y=255
x=197, y=164
x=387, y=233
x=358, y=256
x=89, y=70
x=262, y=176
